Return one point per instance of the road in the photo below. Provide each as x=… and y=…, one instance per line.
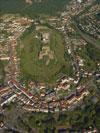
x=87, y=38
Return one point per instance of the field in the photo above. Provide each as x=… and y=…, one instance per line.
x=34, y=69
x=47, y=7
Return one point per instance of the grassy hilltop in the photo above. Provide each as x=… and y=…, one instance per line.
x=35, y=69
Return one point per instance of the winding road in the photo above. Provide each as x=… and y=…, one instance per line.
x=87, y=37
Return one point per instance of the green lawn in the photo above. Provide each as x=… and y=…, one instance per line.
x=34, y=69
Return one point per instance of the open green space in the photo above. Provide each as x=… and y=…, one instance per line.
x=49, y=7
x=2, y=72
x=32, y=68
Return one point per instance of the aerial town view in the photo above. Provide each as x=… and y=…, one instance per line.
x=49, y=66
